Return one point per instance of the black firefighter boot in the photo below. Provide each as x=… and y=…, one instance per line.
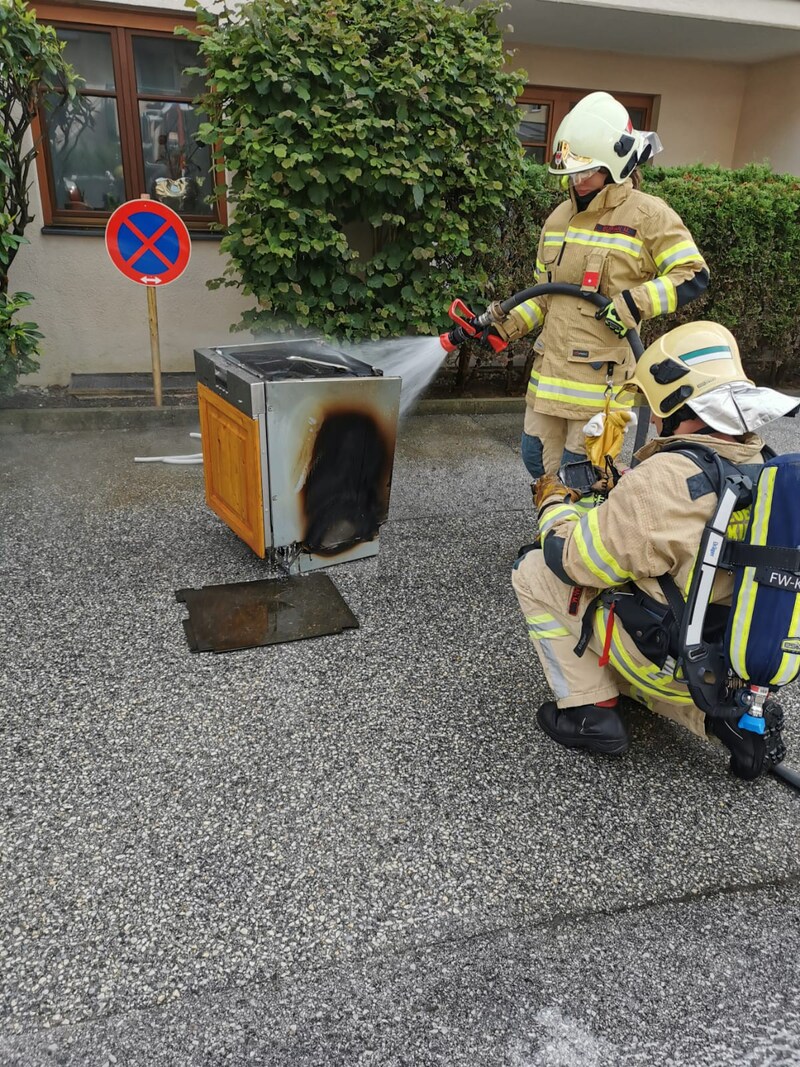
x=752, y=754
x=588, y=726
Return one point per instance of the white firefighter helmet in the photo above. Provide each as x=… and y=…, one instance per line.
x=698, y=364
x=597, y=133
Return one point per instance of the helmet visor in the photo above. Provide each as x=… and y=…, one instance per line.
x=577, y=177
x=565, y=161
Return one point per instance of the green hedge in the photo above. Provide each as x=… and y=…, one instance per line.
x=746, y=224
x=332, y=115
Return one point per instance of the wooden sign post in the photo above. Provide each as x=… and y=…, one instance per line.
x=149, y=243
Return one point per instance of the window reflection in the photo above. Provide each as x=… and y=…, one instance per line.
x=90, y=55
x=533, y=122
x=85, y=152
x=160, y=65
x=534, y=152
x=532, y=130
x=178, y=169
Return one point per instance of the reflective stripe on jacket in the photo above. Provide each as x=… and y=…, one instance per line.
x=625, y=241
x=650, y=525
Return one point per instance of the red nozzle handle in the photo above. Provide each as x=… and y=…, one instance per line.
x=458, y=309
x=464, y=318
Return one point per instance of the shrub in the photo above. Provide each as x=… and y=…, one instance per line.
x=30, y=61
x=331, y=113
x=746, y=224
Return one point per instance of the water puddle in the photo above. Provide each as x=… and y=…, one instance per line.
x=224, y=618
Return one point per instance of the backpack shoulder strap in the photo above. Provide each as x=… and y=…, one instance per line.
x=716, y=468
x=702, y=664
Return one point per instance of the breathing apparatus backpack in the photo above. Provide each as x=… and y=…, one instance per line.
x=738, y=672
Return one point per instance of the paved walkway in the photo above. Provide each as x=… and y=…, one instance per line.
x=360, y=849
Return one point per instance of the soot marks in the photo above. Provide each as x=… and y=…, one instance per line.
x=345, y=494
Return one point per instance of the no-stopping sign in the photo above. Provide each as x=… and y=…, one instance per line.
x=148, y=242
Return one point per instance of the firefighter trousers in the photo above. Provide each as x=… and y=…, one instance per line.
x=545, y=602
x=549, y=441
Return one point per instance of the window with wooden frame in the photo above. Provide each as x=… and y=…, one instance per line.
x=542, y=108
x=134, y=128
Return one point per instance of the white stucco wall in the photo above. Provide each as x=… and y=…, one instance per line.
x=770, y=124
x=700, y=105
x=785, y=13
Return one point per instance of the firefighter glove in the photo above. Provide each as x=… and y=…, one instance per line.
x=611, y=317
x=608, y=478
x=549, y=485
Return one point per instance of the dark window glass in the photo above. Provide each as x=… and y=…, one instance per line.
x=90, y=55
x=535, y=152
x=532, y=130
x=178, y=170
x=85, y=153
x=160, y=63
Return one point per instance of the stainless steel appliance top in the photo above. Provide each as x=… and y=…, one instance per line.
x=308, y=358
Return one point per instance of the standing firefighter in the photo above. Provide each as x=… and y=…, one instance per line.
x=607, y=237
x=598, y=597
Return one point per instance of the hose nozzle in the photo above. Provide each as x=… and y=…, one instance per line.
x=469, y=326
x=454, y=338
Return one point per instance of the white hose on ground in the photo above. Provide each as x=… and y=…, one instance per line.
x=192, y=457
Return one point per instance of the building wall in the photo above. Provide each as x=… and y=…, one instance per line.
x=770, y=124
x=95, y=320
x=700, y=103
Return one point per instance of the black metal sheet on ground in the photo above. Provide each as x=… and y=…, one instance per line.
x=223, y=618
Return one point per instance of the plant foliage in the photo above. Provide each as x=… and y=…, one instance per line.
x=335, y=113
x=31, y=61
x=746, y=224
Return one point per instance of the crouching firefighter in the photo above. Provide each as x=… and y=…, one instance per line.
x=679, y=587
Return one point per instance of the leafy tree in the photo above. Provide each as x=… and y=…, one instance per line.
x=331, y=113
x=31, y=61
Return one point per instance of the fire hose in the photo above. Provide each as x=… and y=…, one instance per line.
x=470, y=327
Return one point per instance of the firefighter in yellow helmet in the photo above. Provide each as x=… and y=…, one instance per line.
x=610, y=237
x=595, y=553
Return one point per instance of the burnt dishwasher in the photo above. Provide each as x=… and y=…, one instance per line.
x=298, y=448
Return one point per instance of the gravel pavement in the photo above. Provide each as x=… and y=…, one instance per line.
x=358, y=849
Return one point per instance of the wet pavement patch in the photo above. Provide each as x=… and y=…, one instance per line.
x=224, y=618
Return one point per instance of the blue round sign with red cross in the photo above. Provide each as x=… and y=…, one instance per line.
x=148, y=242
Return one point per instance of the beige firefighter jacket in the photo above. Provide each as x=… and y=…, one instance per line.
x=625, y=241
x=651, y=523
